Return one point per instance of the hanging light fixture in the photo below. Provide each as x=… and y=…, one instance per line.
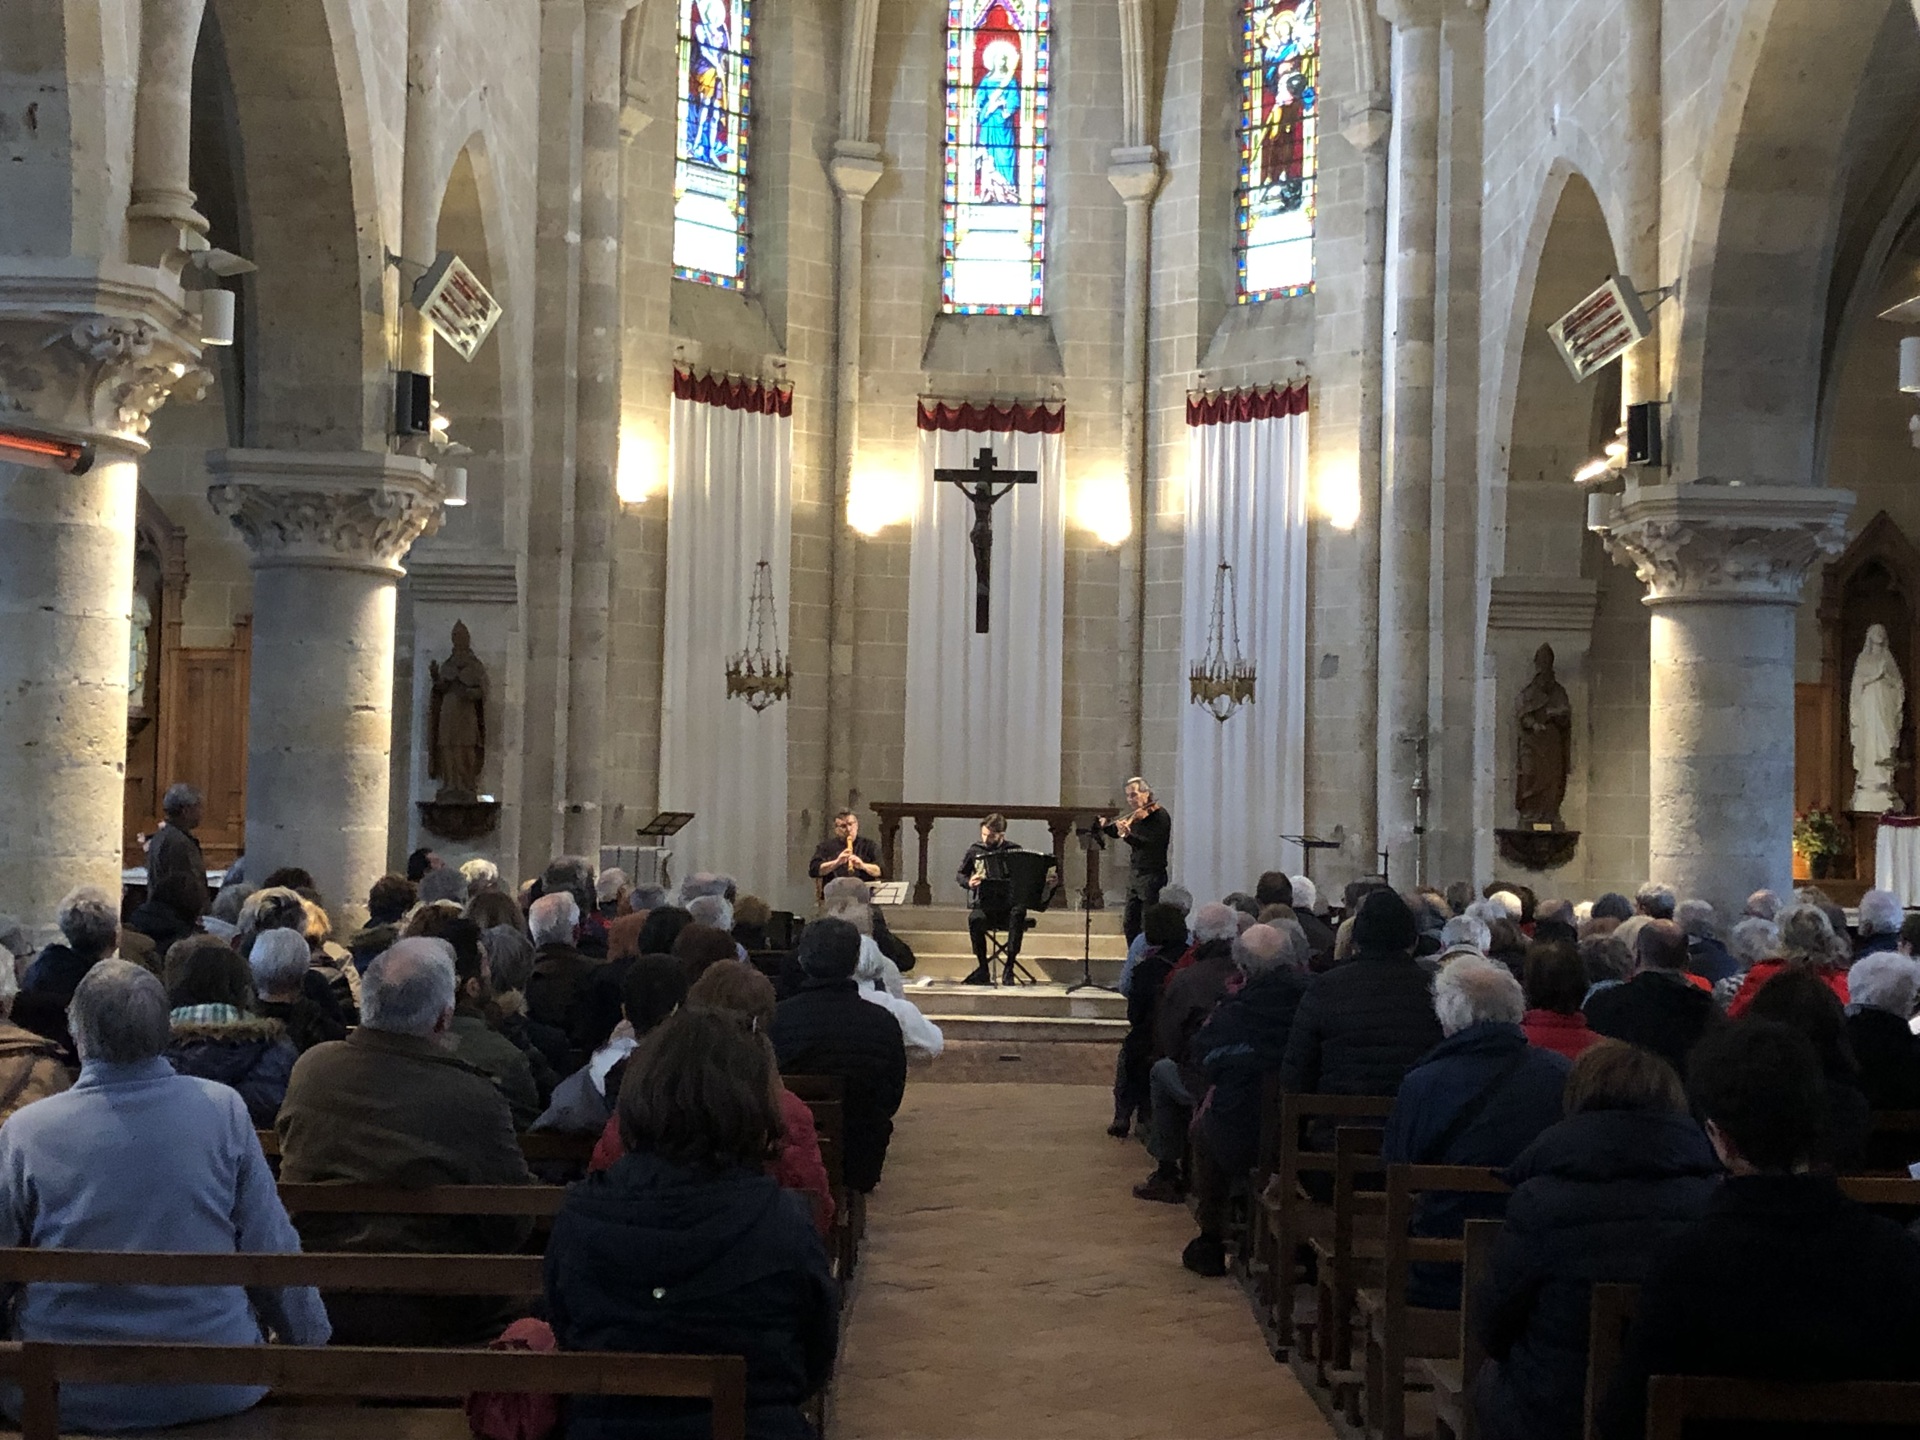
x=758, y=675
x=1222, y=681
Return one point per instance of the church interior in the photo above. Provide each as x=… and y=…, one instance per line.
x=1435, y=480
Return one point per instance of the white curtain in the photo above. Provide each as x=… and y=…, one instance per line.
x=1241, y=782
x=729, y=506
x=983, y=711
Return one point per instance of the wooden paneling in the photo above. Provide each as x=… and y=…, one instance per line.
x=1813, y=758
x=209, y=739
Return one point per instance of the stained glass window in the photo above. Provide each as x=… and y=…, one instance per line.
x=1279, y=85
x=995, y=236
x=710, y=178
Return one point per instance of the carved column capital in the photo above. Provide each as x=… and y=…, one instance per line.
x=1751, y=544
x=856, y=167
x=354, y=510
x=1135, y=173
x=94, y=358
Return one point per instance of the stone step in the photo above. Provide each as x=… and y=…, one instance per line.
x=902, y=919
x=1033, y=1001
x=951, y=967
x=1029, y=1029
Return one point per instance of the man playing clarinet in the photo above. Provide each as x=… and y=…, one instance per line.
x=1147, y=830
x=848, y=853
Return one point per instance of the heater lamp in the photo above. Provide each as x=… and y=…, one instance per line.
x=45, y=452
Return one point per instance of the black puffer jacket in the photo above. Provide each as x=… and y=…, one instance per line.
x=658, y=1258
x=1593, y=1195
x=1243, y=1042
x=827, y=1029
x=1889, y=1056
x=1361, y=1027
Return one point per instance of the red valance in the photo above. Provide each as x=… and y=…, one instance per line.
x=1036, y=419
x=1900, y=822
x=1233, y=407
x=734, y=392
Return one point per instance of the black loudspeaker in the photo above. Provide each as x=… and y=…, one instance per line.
x=1643, y=434
x=412, y=403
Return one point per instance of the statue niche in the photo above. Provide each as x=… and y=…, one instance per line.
x=1543, y=741
x=457, y=744
x=1876, y=704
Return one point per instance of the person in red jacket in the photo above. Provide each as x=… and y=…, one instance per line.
x=744, y=991
x=1556, y=984
x=1807, y=942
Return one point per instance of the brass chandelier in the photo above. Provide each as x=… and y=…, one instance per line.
x=759, y=675
x=1222, y=680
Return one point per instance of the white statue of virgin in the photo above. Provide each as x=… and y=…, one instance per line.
x=1875, y=704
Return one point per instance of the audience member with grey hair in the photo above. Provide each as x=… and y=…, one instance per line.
x=1879, y=927
x=390, y=1105
x=31, y=1066
x=137, y=1158
x=646, y=897
x=714, y=910
x=89, y=924
x=14, y=939
x=1246, y=904
x=610, y=889
x=1310, y=910
x=703, y=882
x=1763, y=904
x=1176, y=1081
x=561, y=971
x=1707, y=957
x=1753, y=940
x=444, y=885
x=481, y=875
x=172, y=849
x=1654, y=900
x=1479, y=1098
x=1883, y=986
x=510, y=964
x=1240, y=1044
x=1807, y=942
x=1607, y=961
x=281, y=964
x=1466, y=930
x=844, y=888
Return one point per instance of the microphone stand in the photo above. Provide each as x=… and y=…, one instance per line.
x=1090, y=840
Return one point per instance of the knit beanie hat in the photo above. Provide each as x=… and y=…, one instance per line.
x=1384, y=924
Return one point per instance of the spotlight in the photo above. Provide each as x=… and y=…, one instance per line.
x=1910, y=365
x=454, y=479
x=216, y=317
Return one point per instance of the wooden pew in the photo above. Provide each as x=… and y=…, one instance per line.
x=1348, y=1258
x=1674, y=1400
x=825, y=1096
x=1452, y=1380
x=1893, y=1141
x=382, y=1374
x=1397, y=1331
x=539, y=1201
x=1284, y=1214
x=536, y=1145
x=1251, y=1239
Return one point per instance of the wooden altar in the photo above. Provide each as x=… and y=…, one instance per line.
x=1060, y=822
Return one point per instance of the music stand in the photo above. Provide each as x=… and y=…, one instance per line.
x=1090, y=840
x=661, y=828
x=1021, y=886
x=1308, y=844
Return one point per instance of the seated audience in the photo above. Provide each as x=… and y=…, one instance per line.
x=1878, y=1031
x=495, y=909
x=1881, y=916
x=1507, y=945
x=660, y=929
x=1807, y=942
x=89, y=929
x=223, y=917
x=921, y=1036
x=1465, y=932
x=560, y=970
x=1478, y=1098
x=1910, y=935
x=653, y=987
x=1654, y=900
x=510, y=961
x=853, y=888
x=1556, y=987
x=1798, y=999
x=1785, y=1278
x=136, y=1157
x=473, y=1039
x=31, y=1066
x=1163, y=936
x=610, y=891
x=1175, y=1081
x=445, y=885
x=827, y=1029
x=1593, y=1195
x=1612, y=906
x=883, y=972
x=750, y=920
x=172, y=910
x=482, y=877
x=1365, y=1023
x=325, y=984
x=575, y=875
x=714, y=911
x=687, y=1245
x=389, y=1105
x=1706, y=956
x=1763, y=905
x=1553, y=921
x=280, y=960
x=698, y=946
x=745, y=991
x=1242, y=1042
x=216, y=1035
x=1660, y=1008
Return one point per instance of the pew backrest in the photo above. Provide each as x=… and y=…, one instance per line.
x=541, y=1201
x=1609, y=1313
x=536, y=1145
x=1673, y=1401
x=400, y=1274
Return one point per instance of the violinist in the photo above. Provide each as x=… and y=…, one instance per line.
x=1148, y=830
x=848, y=853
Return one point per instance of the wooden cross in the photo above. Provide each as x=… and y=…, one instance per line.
x=977, y=482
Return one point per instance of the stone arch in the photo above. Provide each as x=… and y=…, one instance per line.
x=1747, y=374
x=315, y=321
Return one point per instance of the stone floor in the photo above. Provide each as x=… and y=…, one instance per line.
x=1012, y=1289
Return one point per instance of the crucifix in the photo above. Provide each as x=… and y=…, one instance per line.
x=977, y=482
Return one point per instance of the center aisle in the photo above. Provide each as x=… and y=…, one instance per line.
x=1011, y=1287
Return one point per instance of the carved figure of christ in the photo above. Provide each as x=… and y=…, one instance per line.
x=984, y=484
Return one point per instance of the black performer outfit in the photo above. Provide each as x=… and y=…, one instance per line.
x=980, y=853
x=830, y=850
x=1147, y=838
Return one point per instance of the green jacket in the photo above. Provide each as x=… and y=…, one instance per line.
x=500, y=1060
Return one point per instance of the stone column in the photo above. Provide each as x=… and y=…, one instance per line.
x=1135, y=175
x=161, y=220
x=1723, y=567
x=327, y=532
x=422, y=175
x=856, y=168
x=598, y=445
x=89, y=361
x=1407, y=464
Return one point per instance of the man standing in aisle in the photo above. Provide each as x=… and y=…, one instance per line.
x=1148, y=830
x=173, y=849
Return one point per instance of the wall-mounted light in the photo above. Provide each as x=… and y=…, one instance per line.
x=1910, y=365
x=1101, y=506
x=636, y=474
x=216, y=317
x=45, y=452
x=879, y=498
x=453, y=478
